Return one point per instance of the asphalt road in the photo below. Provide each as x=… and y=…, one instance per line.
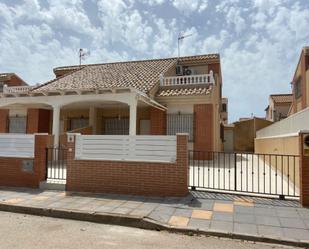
x=25, y=231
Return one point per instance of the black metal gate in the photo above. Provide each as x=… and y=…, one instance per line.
x=56, y=163
x=257, y=174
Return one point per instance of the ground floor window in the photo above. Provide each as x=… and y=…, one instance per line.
x=180, y=123
x=78, y=123
x=17, y=124
x=116, y=126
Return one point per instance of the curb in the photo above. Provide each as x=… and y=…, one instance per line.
x=139, y=222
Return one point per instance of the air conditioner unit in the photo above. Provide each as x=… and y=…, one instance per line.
x=188, y=71
x=179, y=70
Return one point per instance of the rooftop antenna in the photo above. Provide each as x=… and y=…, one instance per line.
x=82, y=55
x=180, y=38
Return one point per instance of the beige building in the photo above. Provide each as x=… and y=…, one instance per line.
x=278, y=107
x=300, y=83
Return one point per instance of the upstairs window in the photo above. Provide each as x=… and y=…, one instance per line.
x=224, y=107
x=180, y=123
x=297, y=88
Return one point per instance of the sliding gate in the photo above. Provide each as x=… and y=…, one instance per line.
x=258, y=174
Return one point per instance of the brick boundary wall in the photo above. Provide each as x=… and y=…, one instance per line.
x=134, y=178
x=12, y=174
x=304, y=173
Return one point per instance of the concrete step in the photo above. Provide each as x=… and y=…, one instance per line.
x=51, y=184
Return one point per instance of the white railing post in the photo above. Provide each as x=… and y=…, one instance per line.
x=56, y=124
x=133, y=113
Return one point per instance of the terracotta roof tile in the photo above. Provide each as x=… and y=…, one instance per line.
x=200, y=90
x=282, y=98
x=142, y=75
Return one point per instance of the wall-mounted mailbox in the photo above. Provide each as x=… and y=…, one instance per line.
x=28, y=166
x=306, y=145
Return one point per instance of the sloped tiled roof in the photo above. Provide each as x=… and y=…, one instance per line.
x=282, y=98
x=142, y=75
x=202, y=90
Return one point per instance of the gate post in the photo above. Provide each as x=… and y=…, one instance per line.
x=304, y=168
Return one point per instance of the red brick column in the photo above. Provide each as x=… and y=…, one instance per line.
x=41, y=142
x=183, y=162
x=304, y=171
x=32, y=121
x=157, y=121
x=4, y=113
x=203, y=130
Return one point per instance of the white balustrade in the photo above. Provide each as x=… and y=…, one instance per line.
x=16, y=89
x=188, y=79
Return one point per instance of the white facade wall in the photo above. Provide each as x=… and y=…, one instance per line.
x=292, y=124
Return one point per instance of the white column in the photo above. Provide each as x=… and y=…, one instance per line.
x=56, y=124
x=93, y=119
x=133, y=112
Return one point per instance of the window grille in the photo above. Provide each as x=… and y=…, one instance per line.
x=17, y=124
x=77, y=123
x=180, y=123
x=116, y=126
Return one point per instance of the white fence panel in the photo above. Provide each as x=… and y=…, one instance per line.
x=17, y=145
x=292, y=124
x=129, y=148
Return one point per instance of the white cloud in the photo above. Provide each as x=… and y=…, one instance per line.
x=188, y=7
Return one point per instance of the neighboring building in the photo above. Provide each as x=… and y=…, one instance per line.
x=278, y=107
x=300, y=83
x=224, y=111
x=157, y=97
x=10, y=79
x=245, y=133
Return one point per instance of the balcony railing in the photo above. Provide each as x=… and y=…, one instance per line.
x=187, y=79
x=17, y=89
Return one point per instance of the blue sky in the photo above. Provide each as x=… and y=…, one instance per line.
x=259, y=40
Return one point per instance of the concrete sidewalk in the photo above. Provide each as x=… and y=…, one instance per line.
x=252, y=218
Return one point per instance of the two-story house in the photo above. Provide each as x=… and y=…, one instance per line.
x=278, y=107
x=300, y=83
x=155, y=97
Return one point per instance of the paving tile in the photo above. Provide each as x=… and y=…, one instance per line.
x=287, y=213
x=159, y=216
x=14, y=200
x=306, y=221
x=104, y=209
x=201, y=214
x=40, y=197
x=265, y=211
x=267, y=220
x=121, y=210
x=303, y=212
x=244, y=218
x=222, y=216
x=243, y=203
x=243, y=209
x=292, y=223
x=200, y=224
x=183, y=212
x=223, y=207
x=207, y=204
x=270, y=231
x=131, y=204
x=299, y=234
x=241, y=228
x=178, y=221
x=222, y=226
x=141, y=212
x=165, y=209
